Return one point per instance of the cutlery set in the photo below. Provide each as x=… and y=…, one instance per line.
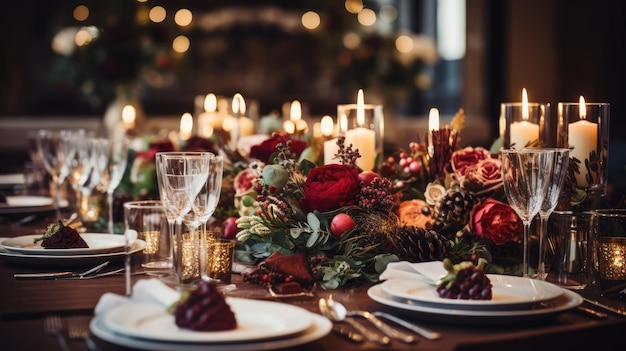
x=337, y=312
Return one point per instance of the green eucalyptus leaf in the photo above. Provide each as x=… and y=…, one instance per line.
x=312, y=239
x=313, y=221
x=381, y=261
x=295, y=232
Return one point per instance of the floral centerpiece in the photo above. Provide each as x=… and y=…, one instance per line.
x=417, y=206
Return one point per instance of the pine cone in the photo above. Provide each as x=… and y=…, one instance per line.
x=452, y=212
x=415, y=244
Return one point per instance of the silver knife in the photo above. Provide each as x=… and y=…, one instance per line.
x=56, y=275
x=608, y=308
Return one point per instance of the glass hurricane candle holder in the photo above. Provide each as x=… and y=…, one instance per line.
x=526, y=124
x=365, y=133
x=584, y=128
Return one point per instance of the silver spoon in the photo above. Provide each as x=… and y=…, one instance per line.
x=333, y=316
x=341, y=310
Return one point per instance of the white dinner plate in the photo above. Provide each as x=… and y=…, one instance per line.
x=256, y=320
x=69, y=261
x=507, y=292
x=28, y=204
x=548, y=308
x=98, y=243
x=319, y=328
x=10, y=180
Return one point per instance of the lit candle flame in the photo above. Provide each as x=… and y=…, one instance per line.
x=360, y=108
x=210, y=103
x=525, y=114
x=289, y=127
x=186, y=126
x=582, y=108
x=296, y=111
x=327, y=125
x=128, y=117
x=239, y=105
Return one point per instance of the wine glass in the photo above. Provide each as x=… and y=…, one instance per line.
x=526, y=175
x=111, y=174
x=55, y=150
x=80, y=165
x=555, y=184
x=180, y=176
x=205, y=203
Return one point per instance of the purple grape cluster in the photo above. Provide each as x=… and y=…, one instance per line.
x=470, y=284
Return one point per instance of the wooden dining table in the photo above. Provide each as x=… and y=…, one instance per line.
x=24, y=304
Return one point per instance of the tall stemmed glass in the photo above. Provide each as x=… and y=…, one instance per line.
x=526, y=175
x=551, y=199
x=181, y=175
x=111, y=176
x=55, y=150
x=205, y=203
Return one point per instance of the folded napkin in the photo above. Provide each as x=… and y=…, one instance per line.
x=427, y=272
x=145, y=290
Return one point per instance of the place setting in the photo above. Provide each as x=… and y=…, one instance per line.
x=412, y=288
x=153, y=317
x=31, y=250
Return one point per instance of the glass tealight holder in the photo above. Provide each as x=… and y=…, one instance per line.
x=610, y=244
x=366, y=135
x=220, y=255
x=523, y=129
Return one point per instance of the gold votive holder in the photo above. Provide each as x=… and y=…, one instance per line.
x=610, y=231
x=220, y=255
x=191, y=250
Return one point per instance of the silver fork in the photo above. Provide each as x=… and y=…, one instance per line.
x=53, y=326
x=78, y=329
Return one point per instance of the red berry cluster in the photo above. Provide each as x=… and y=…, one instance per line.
x=378, y=194
x=261, y=276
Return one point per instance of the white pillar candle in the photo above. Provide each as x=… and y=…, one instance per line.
x=583, y=137
x=364, y=140
x=522, y=133
x=330, y=149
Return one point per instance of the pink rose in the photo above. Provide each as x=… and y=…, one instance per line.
x=461, y=159
x=497, y=222
x=484, y=178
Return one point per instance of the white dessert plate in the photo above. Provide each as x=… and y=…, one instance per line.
x=566, y=301
x=256, y=320
x=69, y=261
x=319, y=328
x=507, y=292
x=98, y=243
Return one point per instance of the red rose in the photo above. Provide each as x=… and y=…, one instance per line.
x=264, y=151
x=497, y=222
x=330, y=187
x=461, y=159
x=484, y=178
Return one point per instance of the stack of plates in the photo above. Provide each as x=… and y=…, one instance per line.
x=102, y=247
x=515, y=299
x=261, y=325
